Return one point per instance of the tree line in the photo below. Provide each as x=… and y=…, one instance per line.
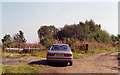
x=83, y=31
x=17, y=40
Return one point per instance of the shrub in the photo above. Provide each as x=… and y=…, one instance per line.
x=49, y=42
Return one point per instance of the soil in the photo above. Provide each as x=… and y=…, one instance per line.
x=99, y=63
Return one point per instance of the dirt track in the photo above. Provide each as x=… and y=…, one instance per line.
x=99, y=63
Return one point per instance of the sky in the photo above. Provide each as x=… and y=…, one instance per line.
x=29, y=16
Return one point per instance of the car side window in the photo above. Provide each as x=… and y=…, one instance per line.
x=51, y=48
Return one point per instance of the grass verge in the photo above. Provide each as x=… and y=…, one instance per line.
x=41, y=54
x=22, y=69
x=0, y=51
x=81, y=54
x=118, y=57
x=37, y=68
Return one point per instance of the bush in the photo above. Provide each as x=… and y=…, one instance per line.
x=48, y=43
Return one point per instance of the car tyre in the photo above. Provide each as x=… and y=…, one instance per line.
x=65, y=63
x=71, y=63
x=48, y=62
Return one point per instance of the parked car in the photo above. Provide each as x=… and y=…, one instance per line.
x=60, y=53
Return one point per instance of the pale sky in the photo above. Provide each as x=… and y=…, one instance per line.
x=29, y=16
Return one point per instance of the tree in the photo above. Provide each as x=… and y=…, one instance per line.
x=46, y=32
x=118, y=37
x=19, y=38
x=113, y=38
x=83, y=31
x=71, y=31
x=7, y=42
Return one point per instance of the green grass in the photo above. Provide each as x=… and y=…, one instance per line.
x=41, y=54
x=81, y=54
x=38, y=68
x=118, y=56
x=22, y=68
x=78, y=55
x=0, y=68
x=0, y=52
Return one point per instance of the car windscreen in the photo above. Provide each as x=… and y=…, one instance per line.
x=60, y=47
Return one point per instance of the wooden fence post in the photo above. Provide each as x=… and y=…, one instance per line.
x=86, y=48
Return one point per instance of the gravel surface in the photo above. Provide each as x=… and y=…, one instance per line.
x=99, y=63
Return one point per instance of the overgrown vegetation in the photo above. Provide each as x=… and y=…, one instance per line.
x=40, y=54
x=77, y=36
x=84, y=31
x=84, y=37
x=118, y=57
x=81, y=54
x=22, y=69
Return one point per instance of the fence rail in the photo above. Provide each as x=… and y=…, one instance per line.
x=22, y=49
